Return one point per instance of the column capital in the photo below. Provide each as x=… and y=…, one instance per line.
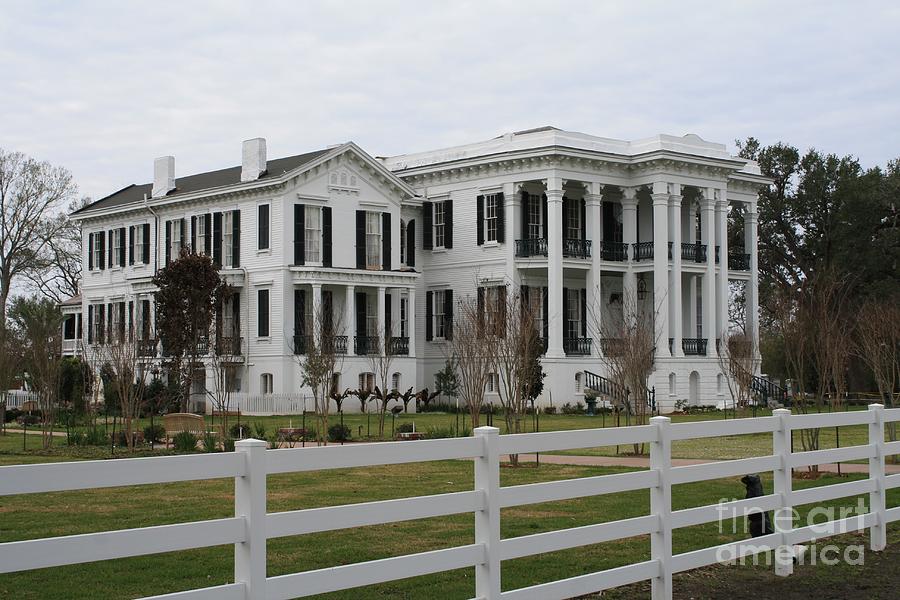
x=554, y=195
x=675, y=200
x=593, y=199
x=660, y=199
x=629, y=193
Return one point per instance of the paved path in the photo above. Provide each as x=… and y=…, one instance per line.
x=641, y=462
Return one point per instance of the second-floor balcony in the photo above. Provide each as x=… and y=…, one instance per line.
x=398, y=346
x=577, y=346
x=367, y=344
x=229, y=345
x=576, y=248
x=694, y=346
x=572, y=248
x=694, y=252
x=613, y=251
x=147, y=348
x=612, y=346
x=642, y=251
x=335, y=343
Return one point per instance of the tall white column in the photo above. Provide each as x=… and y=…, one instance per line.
x=555, y=267
x=722, y=294
x=350, y=316
x=677, y=324
x=512, y=231
x=751, y=247
x=317, y=311
x=707, y=233
x=660, y=198
x=411, y=321
x=379, y=331
x=629, y=236
x=593, y=201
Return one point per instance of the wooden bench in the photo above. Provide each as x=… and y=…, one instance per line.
x=175, y=423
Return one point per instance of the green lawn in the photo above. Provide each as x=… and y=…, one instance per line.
x=66, y=513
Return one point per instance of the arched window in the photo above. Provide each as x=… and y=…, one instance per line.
x=720, y=384
x=395, y=382
x=336, y=383
x=266, y=383
x=579, y=377
x=672, y=384
x=367, y=381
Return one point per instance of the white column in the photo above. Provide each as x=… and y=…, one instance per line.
x=722, y=294
x=594, y=201
x=379, y=331
x=660, y=198
x=752, y=294
x=250, y=503
x=629, y=236
x=350, y=317
x=411, y=321
x=707, y=231
x=512, y=231
x=317, y=312
x=675, y=289
x=555, y=267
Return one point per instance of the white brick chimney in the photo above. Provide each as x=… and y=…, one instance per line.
x=163, y=176
x=253, y=163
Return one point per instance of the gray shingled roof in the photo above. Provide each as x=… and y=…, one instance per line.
x=135, y=193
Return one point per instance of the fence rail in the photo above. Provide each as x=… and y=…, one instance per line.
x=251, y=526
x=270, y=404
x=16, y=398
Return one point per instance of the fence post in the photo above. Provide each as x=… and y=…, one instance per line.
x=661, y=507
x=487, y=521
x=877, y=504
x=250, y=503
x=784, y=516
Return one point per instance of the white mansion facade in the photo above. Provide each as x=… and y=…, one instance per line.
x=389, y=244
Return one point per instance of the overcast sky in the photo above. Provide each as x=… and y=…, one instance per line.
x=104, y=87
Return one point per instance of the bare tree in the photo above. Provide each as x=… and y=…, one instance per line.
x=320, y=357
x=121, y=354
x=10, y=360
x=57, y=273
x=31, y=194
x=473, y=354
x=794, y=323
x=736, y=359
x=380, y=356
x=877, y=343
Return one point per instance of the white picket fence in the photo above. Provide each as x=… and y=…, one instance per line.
x=251, y=526
x=16, y=398
x=270, y=404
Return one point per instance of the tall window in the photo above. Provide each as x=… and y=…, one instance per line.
x=395, y=382
x=404, y=327
x=200, y=235
x=402, y=242
x=263, y=227
x=367, y=381
x=535, y=230
x=117, y=247
x=492, y=309
x=439, y=223
x=266, y=383
x=372, y=319
x=177, y=232
x=438, y=314
x=573, y=221
x=262, y=313
x=373, y=240
x=313, y=234
x=493, y=383
x=138, y=243
x=228, y=319
x=227, y=239
x=573, y=314
x=98, y=251
x=490, y=217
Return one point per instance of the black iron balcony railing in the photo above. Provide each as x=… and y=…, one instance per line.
x=366, y=344
x=399, y=346
x=531, y=247
x=738, y=261
x=576, y=248
x=577, y=346
x=230, y=344
x=146, y=347
x=694, y=346
x=302, y=344
x=614, y=251
x=695, y=252
x=612, y=346
x=642, y=251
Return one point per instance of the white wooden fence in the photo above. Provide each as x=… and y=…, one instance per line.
x=270, y=404
x=16, y=398
x=251, y=526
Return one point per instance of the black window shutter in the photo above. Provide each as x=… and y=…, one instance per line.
x=299, y=312
x=207, y=234
x=235, y=315
x=385, y=241
x=360, y=239
x=109, y=255
x=448, y=314
x=262, y=311
x=360, y=313
x=217, y=239
x=121, y=320
x=236, y=239
x=427, y=226
x=109, y=321
x=131, y=245
x=326, y=236
x=146, y=240
x=545, y=309
x=429, y=316
x=184, y=234
x=544, y=215
x=168, y=242
x=122, y=249
x=479, y=313
x=583, y=218
x=299, y=234
x=479, y=219
x=102, y=257
x=448, y=223
x=501, y=219
x=567, y=206
x=90, y=252
x=411, y=244
x=501, y=310
x=263, y=227
x=130, y=319
x=525, y=216
x=194, y=234
x=145, y=319
x=584, y=314
x=90, y=319
x=565, y=313
x=387, y=316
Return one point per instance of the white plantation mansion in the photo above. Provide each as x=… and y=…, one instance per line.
x=574, y=221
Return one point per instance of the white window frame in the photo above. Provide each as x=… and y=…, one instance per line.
x=97, y=325
x=228, y=238
x=439, y=224
x=117, y=246
x=138, y=243
x=313, y=234
x=535, y=217
x=367, y=381
x=268, y=247
x=490, y=217
x=372, y=319
x=373, y=240
x=574, y=308
x=573, y=221
x=437, y=314
x=175, y=227
x=404, y=310
x=395, y=382
x=266, y=384
x=491, y=308
x=492, y=386
x=97, y=250
x=200, y=235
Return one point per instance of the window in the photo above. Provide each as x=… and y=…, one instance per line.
x=573, y=314
x=200, y=234
x=404, y=326
x=262, y=308
x=177, y=234
x=490, y=217
x=403, y=242
x=97, y=323
x=720, y=384
x=228, y=319
x=138, y=243
x=573, y=220
x=228, y=239
x=373, y=240
x=438, y=314
x=118, y=325
x=266, y=383
x=117, y=247
x=372, y=318
x=313, y=234
x=335, y=383
x=439, y=225
x=492, y=310
x=672, y=383
x=535, y=231
x=367, y=381
x=69, y=328
x=263, y=227
x=98, y=252
x=395, y=382
x=579, y=388
x=493, y=383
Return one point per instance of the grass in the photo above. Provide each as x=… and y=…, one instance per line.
x=66, y=513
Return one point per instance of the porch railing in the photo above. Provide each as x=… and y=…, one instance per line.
x=232, y=345
x=399, y=346
x=577, y=346
x=695, y=252
x=531, y=247
x=302, y=343
x=642, y=251
x=694, y=346
x=576, y=248
x=613, y=251
x=147, y=348
x=367, y=344
x=612, y=346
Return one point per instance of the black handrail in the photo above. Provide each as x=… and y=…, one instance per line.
x=576, y=248
x=695, y=252
x=577, y=346
x=531, y=247
x=694, y=346
x=642, y=251
x=366, y=344
x=399, y=346
x=613, y=251
x=605, y=387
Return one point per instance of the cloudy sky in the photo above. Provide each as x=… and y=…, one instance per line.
x=104, y=87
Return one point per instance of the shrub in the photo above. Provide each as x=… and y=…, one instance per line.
x=28, y=419
x=568, y=409
x=12, y=414
x=94, y=437
x=434, y=433
x=228, y=444
x=210, y=442
x=310, y=434
x=338, y=433
x=120, y=438
x=240, y=431
x=77, y=438
x=154, y=433
x=184, y=441
x=549, y=410
x=405, y=427
x=259, y=430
